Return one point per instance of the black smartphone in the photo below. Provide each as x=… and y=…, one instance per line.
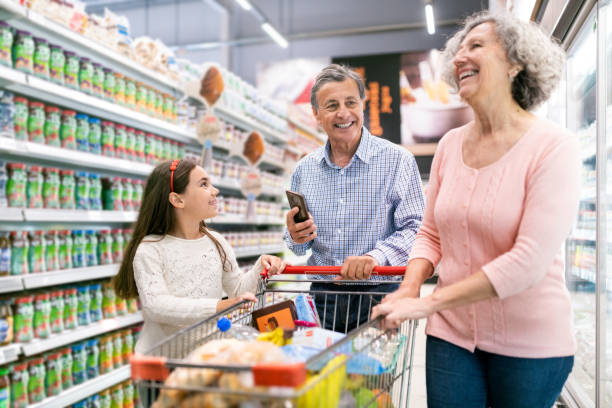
x=297, y=200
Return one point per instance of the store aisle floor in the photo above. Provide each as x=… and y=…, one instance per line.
x=418, y=396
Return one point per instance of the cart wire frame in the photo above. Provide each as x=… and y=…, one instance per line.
x=316, y=383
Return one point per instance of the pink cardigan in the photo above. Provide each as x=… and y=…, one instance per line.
x=509, y=219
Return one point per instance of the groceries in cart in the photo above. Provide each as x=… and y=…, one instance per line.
x=274, y=353
x=221, y=352
x=380, y=348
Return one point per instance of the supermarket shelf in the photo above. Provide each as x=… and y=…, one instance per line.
x=11, y=284
x=584, y=235
x=58, y=34
x=583, y=273
x=223, y=144
x=9, y=76
x=269, y=163
x=45, y=215
x=422, y=149
x=294, y=150
x=11, y=9
x=22, y=148
x=11, y=214
x=249, y=124
x=255, y=251
x=233, y=184
x=227, y=183
x=9, y=353
x=41, y=280
x=311, y=131
x=241, y=219
x=50, y=92
x=80, y=333
x=78, y=392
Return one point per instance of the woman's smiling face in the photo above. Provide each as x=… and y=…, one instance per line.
x=482, y=68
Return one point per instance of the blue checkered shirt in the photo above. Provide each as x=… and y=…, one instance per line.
x=372, y=206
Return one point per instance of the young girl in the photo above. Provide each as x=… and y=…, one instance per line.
x=177, y=265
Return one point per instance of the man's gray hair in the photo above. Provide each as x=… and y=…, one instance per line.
x=335, y=73
x=540, y=58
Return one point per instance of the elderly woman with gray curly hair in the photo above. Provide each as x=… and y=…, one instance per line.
x=502, y=195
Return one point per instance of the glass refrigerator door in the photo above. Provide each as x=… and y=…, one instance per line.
x=581, y=246
x=605, y=216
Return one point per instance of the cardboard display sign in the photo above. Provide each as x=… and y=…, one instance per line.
x=381, y=75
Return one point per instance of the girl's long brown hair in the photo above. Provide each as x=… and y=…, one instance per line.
x=157, y=217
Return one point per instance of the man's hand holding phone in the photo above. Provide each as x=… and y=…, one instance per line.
x=300, y=224
x=301, y=232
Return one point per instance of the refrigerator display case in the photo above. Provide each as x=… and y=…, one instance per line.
x=581, y=248
x=584, y=105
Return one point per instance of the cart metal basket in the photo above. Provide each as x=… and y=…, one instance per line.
x=368, y=367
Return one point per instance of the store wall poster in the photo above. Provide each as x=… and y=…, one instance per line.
x=382, y=108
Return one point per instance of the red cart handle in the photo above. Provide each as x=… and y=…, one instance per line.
x=335, y=270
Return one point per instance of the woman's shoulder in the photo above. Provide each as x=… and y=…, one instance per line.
x=454, y=136
x=450, y=143
x=551, y=130
x=549, y=136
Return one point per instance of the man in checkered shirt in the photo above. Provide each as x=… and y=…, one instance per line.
x=364, y=197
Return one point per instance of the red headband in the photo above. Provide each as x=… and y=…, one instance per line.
x=172, y=168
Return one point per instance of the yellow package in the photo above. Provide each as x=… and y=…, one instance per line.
x=324, y=388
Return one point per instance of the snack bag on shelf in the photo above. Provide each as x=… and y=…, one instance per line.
x=77, y=20
x=118, y=32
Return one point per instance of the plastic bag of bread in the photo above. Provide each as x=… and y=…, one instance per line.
x=221, y=352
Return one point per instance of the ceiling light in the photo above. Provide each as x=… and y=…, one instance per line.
x=279, y=39
x=429, y=17
x=245, y=4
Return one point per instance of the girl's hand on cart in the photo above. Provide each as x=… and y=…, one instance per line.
x=273, y=264
x=397, y=311
x=225, y=303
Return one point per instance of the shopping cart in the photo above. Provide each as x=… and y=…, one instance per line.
x=368, y=367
